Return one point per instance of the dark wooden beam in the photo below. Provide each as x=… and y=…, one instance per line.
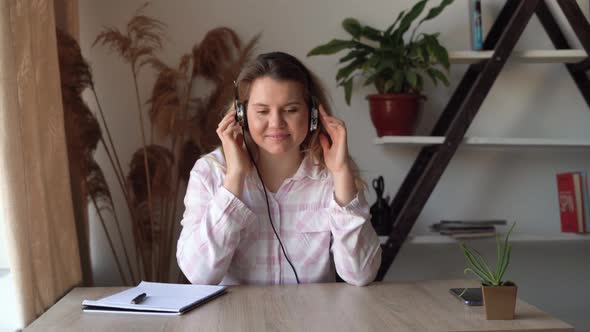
x=578, y=22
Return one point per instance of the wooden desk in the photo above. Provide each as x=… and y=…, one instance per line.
x=411, y=306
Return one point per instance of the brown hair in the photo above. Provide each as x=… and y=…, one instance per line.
x=284, y=67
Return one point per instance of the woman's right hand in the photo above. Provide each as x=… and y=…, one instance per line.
x=236, y=158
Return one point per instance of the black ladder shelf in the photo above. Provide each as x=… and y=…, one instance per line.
x=468, y=98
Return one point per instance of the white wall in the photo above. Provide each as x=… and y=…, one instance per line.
x=526, y=101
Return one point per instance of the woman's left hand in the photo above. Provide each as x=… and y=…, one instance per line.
x=336, y=154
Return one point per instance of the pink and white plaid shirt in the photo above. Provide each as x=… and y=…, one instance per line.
x=225, y=240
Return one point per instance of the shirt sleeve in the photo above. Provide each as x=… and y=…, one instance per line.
x=211, y=225
x=356, y=247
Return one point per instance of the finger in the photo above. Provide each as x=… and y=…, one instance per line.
x=328, y=120
x=333, y=126
x=229, y=115
x=324, y=143
x=237, y=129
x=332, y=119
x=225, y=125
x=323, y=115
x=231, y=108
x=336, y=123
x=226, y=122
x=229, y=131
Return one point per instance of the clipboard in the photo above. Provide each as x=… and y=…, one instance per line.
x=161, y=299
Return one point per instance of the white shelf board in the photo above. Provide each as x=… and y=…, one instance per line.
x=410, y=140
x=527, y=142
x=489, y=141
x=435, y=238
x=443, y=239
x=533, y=56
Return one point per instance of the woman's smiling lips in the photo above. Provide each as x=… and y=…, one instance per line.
x=277, y=137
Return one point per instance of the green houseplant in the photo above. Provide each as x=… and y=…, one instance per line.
x=499, y=295
x=395, y=63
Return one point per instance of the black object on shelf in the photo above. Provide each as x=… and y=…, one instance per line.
x=380, y=210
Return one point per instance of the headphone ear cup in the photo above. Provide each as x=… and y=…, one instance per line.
x=313, y=117
x=241, y=116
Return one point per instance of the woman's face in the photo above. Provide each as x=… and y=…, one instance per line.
x=277, y=115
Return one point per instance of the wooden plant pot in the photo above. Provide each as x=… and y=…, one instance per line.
x=499, y=302
x=395, y=114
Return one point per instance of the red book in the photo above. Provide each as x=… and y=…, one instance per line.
x=570, y=202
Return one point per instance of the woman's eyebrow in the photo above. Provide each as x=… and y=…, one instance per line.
x=287, y=104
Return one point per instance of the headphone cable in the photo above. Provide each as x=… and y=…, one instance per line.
x=268, y=207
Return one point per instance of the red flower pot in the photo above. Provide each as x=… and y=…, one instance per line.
x=395, y=114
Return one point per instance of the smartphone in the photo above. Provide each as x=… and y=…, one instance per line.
x=471, y=296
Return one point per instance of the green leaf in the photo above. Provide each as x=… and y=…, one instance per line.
x=442, y=55
x=477, y=274
x=372, y=62
x=388, y=85
x=431, y=14
x=360, y=46
x=348, y=90
x=371, y=33
x=436, y=10
x=413, y=50
x=506, y=249
x=419, y=83
x=508, y=234
x=410, y=17
x=476, y=267
x=353, y=54
x=411, y=78
x=371, y=79
x=506, y=262
x=475, y=262
x=486, y=266
x=424, y=52
x=334, y=46
x=432, y=76
x=352, y=26
x=387, y=32
x=440, y=76
x=500, y=254
x=398, y=80
x=437, y=51
x=343, y=73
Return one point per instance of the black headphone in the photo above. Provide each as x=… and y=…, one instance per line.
x=241, y=108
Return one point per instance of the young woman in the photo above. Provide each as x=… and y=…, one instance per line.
x=279, y=202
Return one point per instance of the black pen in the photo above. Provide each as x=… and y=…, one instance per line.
x=139, y=298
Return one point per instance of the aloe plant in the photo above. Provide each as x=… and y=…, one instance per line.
x=479, y=267
x=387, y=59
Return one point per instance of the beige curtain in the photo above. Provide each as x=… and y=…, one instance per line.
x=34, y=180
x=67, y=19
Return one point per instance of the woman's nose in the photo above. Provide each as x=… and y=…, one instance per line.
x=276, y=119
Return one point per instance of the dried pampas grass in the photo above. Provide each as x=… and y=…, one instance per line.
x=182, y=119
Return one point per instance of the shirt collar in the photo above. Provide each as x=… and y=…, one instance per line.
x=307, y=168
x=310, y=170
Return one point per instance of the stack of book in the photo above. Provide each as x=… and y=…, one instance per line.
x=461, y=229
x=574, y=201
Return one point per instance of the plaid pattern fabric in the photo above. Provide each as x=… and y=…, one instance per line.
x=225, y=240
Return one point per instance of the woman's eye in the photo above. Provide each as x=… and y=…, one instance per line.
x=292, y=110
x=262, y=112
